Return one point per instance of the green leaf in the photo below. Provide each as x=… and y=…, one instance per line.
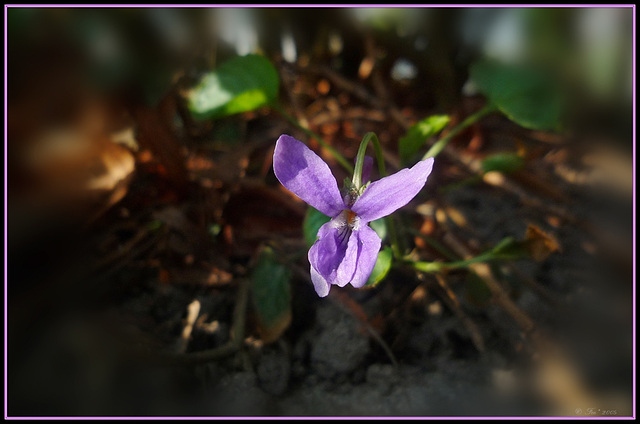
x=503, y=162
x=420, y=132
x=380, y=227
x=238, y=85
x=381, y=268
x=525, y=95
x=271, y=296
x=313, y=220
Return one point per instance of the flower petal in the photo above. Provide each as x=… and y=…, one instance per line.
x=368, y=248
x=328, y=251
x=390, y=193
x=304, y=173
x=348, y=265
x=334, y=260
x=319, y=283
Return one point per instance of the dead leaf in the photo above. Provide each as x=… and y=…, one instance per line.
x=539, y=243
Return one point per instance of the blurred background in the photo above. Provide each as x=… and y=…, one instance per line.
x=144, y=230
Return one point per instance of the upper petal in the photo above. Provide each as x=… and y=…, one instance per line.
x=368, y=248
x=390, y=193
x=304, y=173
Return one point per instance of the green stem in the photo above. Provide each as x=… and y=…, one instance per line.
x=357, y=173
x=395, y=241
x=441, y=144
x=439, y=266
x=341, y=159
x=506, y=249
x=357, y=182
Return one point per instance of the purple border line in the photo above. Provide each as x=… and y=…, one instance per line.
x=634, y=211
x=6, y=143
x=347, y=418
x=7, y=6
x=288, y=6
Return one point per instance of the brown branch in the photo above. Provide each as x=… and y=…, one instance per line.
x=454, y=304
x=232, y=346
x=352, y=308
x=499, y=295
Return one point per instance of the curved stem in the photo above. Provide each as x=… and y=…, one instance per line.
x=357, y=182
x=357, y=173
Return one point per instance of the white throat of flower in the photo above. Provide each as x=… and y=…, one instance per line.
x=347, y=222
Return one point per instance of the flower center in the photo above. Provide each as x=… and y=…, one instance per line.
x=347, y=222
x=351, y=217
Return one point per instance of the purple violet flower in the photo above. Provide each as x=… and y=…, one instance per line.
x=347, y=248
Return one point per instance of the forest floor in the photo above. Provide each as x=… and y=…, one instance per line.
x=138, y=309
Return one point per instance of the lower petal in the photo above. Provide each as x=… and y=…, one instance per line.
x=327, y=252
x=347, y=267
x=319, y=283
x=368, y=247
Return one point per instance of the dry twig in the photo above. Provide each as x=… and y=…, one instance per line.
x=454, y=304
